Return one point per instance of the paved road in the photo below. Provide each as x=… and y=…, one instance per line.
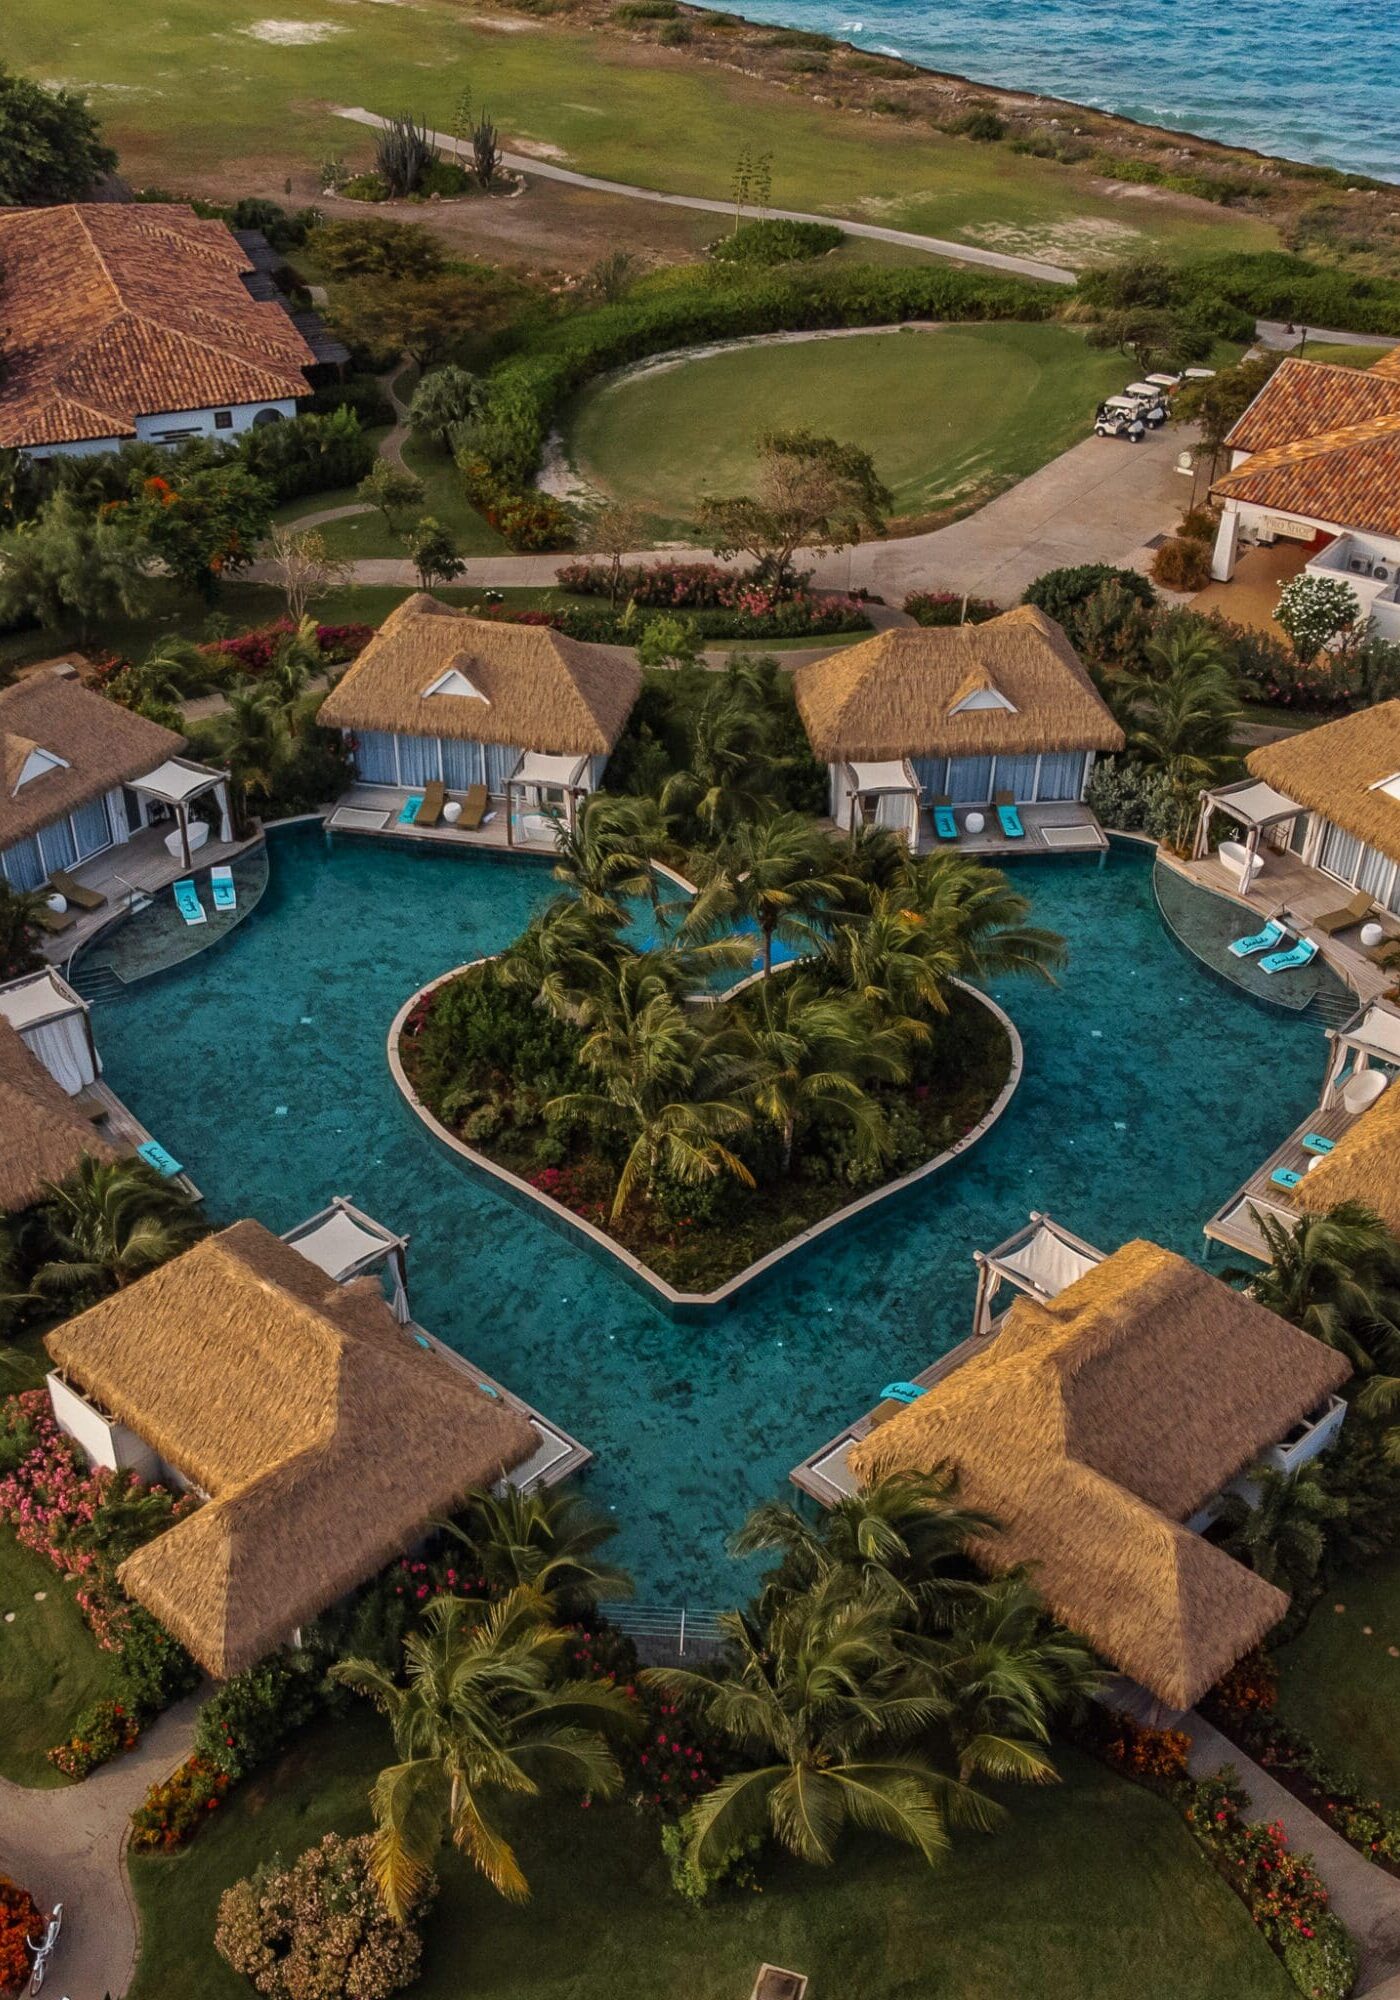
x=1273, y=333
x=908, y=239
x=66, y=1846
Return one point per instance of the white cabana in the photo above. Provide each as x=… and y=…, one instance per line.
x=546, y=789
x=879, y=794
x=1253, y=805
x=177, y=783
x=1039, y=1261
x=345, y=1243
x=52, y=1022
x=1371, y=1036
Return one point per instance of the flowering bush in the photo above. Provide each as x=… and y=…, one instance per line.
x=20, y=1919
x=173, y=1812
x=752, y=611
x=946, y=607
x=252, y=652
x=319, y=1930
x=1249, y=1688
x=253, y=1713
x=98, y=1734
x=1156, y=1754
x=676, y=586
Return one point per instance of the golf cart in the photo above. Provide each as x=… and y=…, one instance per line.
x=1166, y=383
x=1120, y=417
x=1152, y=404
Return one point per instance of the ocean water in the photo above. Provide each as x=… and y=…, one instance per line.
x=1302, y=78
x=1150, y=1091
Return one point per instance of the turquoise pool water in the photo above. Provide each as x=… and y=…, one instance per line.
x=1150, y=1091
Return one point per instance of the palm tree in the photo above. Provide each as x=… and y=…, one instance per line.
x=109, y=1223
x=298, y=657
x=1181, y=714
x=1337, y=1276
x=21, y=920
x=784, y=873
x=899, y=1542
x=543, y=1543
x=822, y=1705
x=894, y=962
x=731, y=760
x=1279, y=1531
x=482, y=1714
x=607, y=853
x=566, y=957
x=655, y=1073
x=1005, y=1670
x=974, y=911
x=806, y=1055
x=253, y=742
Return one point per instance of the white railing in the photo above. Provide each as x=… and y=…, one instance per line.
x=665, y=1632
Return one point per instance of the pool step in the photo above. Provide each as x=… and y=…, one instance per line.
x=96, y=982
x=1332, y=1009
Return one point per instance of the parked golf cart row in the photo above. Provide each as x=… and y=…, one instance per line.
x=1143, y=406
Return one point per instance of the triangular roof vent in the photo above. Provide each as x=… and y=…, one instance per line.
x=454, y=681
x=33, y=761
x=980, y=691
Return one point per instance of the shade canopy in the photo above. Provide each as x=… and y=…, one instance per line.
x=1043, y=1258
x=1375, y=1031
x=894, y=776
x=52, y=1022
x=44, y=996
x=536, y=767
x=341, y=1246
x=177, y=780
x=1255, y=804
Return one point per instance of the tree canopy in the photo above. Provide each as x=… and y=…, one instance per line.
x=51, y=146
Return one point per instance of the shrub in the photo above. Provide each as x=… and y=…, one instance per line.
x=99, y=1732
x=1250, y=1688
x=1134, y=800
x=982, y=125
x=364, y=187
x=675, y=35
x=360, y=393
x=446, y=179
x=20, y=1919
x=174, y=1810
x=319, y=1930
x=949, y=607
x=309, y=454
x=735, y=1867
x=777, y=241
x=1156, y=1754
x=377, y=248
x=646, y=10
x=1062, y=592
x=254, y=1713
x=1182, y=563
x=1316, y=610
x=1199, y=524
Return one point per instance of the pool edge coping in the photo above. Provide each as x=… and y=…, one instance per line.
x=667, y=1294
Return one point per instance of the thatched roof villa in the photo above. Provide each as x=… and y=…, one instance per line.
x=1346, y=776
x=955, y=715
x=1096, y=1426
x=439, y=697
x=323, y=1439
x=1363, y=1166
x=45, y=1137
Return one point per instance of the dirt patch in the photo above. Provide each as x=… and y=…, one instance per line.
x=292, y=34
x=538, y=149
x=505, y=24
x=1076, y=240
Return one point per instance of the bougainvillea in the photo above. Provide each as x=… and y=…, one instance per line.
x=319, y=1930
x=20, y=1919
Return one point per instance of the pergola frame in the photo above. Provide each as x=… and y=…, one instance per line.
x=1251, y=804
x=158, y=784
x=388, y=1250
x=883, y=778
x=995, y=1268
x=566, y=777
x=1372, y=1035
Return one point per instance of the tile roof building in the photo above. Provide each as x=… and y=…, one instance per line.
x=132, y=320
x=1316, y=459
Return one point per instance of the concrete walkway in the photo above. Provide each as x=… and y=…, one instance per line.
x=1366, y=1898
x=937, y=246
x=66, y=1846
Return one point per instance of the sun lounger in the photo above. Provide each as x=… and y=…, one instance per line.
x=75, y=892
x=410, y=809
x=901, y=1392
x=434, y=799
x=1355, y=911
x=944, y=823
x=474, y=807
x=225, y=894
x=1285, y=1177
x=1008, y=817
x=1303, y=953
x=1264, y=940
x=1313, y=1142
x=56, y=920
x=155, y=1155
x=187, y=901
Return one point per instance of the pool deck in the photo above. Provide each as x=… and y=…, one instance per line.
x=375, y=809
x=1297, y=895
x=138, y=869
x=118, y=1122
x=1067, y=828
x=557, y=1457
x=1234, y=1224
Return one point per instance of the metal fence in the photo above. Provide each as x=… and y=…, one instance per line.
x=666, y=1634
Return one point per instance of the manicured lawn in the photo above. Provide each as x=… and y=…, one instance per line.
x=229, y=97
x=1343, y=356
x=367, y=535
x=1339, y=1681
x=51, y=1667
x=1090, y=1880
x=949, y=416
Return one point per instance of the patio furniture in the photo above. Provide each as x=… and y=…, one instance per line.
x=1303, y=953
x=1008, y=817
x=75, y=892
x=1235, y=856
x=1313, y=1142
x=57, y=920
x=945, y=824
x=1362, y=1088
x=197, y=832
x=474, y=807
x=775, y=1982
x=974, y=822
x=187, y=901
x=155, y=1155
x=58, y=904
x=434, y=799
x=1264, y=940
x=1285, y=1177
x=1354, y=911
x=1371, y=936
x=410, y=809
x=452, y=812
x=225, y=894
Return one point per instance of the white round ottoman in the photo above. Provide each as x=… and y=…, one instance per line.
x=452, y=812
x=1371, y=935
x=58, y=904
x=975, y=822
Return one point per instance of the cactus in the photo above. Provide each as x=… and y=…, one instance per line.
x=403, y=155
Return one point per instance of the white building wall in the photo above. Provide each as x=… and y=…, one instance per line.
x=105, y=1442
x=188, y=423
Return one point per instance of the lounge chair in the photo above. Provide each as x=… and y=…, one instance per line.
x=1354, y=912
x=155, y=1155
x=225, y=894
x=1264, y=940
x=56, y=920
x=944, y=823
x=474, y=807
x=75, y=892
x=1303, y=953
x=1285, y=1177
x=434, y=799
x=410, y=809
x=187, y=901
x=1313, y=1142
x=901, y=1392
x=1007, y=815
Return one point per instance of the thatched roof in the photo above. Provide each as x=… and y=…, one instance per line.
x=1094, y=1426
x=906, y=693
x=1338, y=770
x=1362, y=1166
x=44, y=1137
x=100, y=743
x=517, y=684
x=324, y=1439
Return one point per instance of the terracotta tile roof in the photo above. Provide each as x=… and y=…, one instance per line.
x=110, y=311
x=1324, y=443
x=1309, y=399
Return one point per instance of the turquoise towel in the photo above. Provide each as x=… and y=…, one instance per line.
x=1288, y=961
x=408, y=811
x=1285, y=1177
x=1011, y=823
x=901, y=1392
x=1264, y=940
x=188, y=903
x=221, y=883
x=944, y=824
x=155, y=1155
x=1313, y=1142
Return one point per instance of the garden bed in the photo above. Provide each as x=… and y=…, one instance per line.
x=702, y=1259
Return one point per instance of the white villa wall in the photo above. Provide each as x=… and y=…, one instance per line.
x=104, y=1441
x=188, y=423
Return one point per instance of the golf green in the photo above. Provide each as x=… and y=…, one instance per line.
x=950, y=415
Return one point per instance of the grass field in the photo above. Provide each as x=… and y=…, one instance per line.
x=1089, y=1879
x=368, y=535
x=949, y=416
x=1342, y=356
x=51, y=1667
x=1339, y=1681
x=225, y=100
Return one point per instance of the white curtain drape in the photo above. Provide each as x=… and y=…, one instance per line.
x=62, y=1047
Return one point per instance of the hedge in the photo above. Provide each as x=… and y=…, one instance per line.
x=1274, y=285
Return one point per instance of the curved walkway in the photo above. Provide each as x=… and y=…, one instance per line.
x=908, y=239
x=66, y=1846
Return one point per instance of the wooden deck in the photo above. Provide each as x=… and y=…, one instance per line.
x=1234, y=1224
x=129, y=874
x=118, y=1122
x=375, y=809
x=557, y=1457
x=1066, y=828
x=1297, y=896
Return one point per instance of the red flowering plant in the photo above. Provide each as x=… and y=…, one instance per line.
x=20, y=1920
x=1157, y=1755
x=99, y=1734
x=668, y=1760
x=173, y=1812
